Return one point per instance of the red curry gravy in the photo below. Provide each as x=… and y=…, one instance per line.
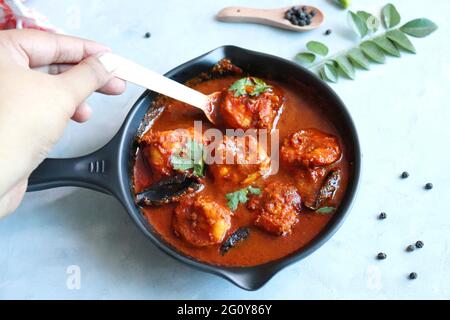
x=301, y=110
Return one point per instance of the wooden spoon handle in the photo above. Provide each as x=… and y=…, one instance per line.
x=241, y=14
x=132, y=72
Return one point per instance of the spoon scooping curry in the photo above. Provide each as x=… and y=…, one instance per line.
x=130, y=71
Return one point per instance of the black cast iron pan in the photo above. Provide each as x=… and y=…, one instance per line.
x=108, y=169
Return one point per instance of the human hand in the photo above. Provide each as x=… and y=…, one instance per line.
x=35, y=107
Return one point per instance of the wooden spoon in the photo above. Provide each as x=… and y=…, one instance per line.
x=127, y=70
x=271, y=17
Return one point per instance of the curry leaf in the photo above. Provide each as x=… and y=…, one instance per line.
x=322, y=75
x=373, y=52
x=305, y=58
x=317, y=48
x=419, y=27
x=370, y=20
x=329, y=73
x=401, y=40
x=390, y=16
x=387, y=46
x=345, y=66
x=326, y=210
x=234, y=239
x=364, y=15
x=358, y=25
x=357, y=57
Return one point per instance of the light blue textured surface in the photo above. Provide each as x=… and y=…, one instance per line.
x=402, y=113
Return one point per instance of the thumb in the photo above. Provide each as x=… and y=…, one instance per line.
x=85, y=78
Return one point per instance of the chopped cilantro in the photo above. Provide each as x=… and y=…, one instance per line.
x=190, y=157
x=325, y=210
x=240, y=196
x=253, y=190
x=249, y=85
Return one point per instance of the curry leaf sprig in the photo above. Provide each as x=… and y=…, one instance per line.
x=372, y=48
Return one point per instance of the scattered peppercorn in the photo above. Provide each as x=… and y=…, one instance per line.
x=299, y=16
x=429, y=186
x=147, y=35
x=410, y=248
x=419, y=244
x=328, y=32
x=404, y=175
x=412, y=276
x=381, y=256
x=382, y=216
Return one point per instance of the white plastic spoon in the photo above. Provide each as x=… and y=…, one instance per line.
x=129, y=71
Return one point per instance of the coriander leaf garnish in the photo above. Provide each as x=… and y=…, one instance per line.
x=326, y=210
x=260, y=87
x=249, y=86
x=240, y=196
x=240, y=86
x=253, y=190
x=190, y=157
x=233, y=200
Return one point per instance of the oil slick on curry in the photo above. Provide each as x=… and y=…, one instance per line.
x=243, y=212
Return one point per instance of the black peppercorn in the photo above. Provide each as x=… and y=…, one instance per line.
x=381, y=256
x=382, y=216
x=419, y=244
x=328, y=32
x=410, y=248
x=299, y=16
x=429, y=186
x=412, y=276
x=404, y=175
x=147, y=35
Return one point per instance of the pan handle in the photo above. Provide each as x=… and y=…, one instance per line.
x=97, y=171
